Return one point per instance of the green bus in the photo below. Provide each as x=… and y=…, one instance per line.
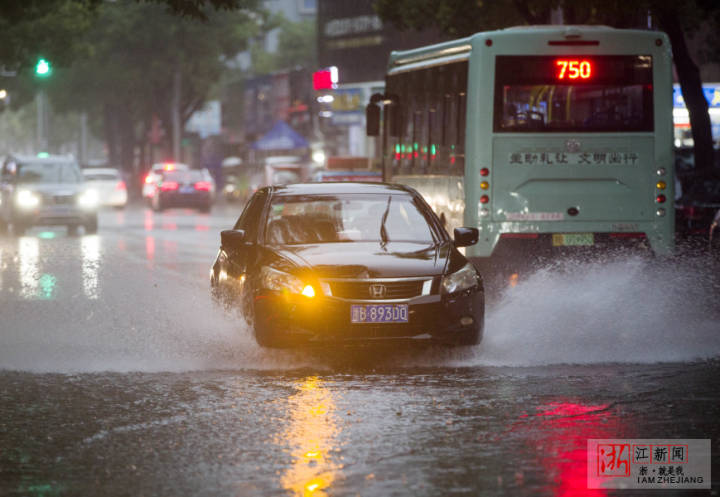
x=543, y=136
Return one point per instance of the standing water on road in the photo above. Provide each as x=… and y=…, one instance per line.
x=118, y=375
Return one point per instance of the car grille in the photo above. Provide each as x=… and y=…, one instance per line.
x=379, y=290
x=63, y=199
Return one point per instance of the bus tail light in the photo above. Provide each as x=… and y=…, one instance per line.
x=484, y=171
x=660, y=199
x=484, y=185
x=661, y=185
x=484, y=199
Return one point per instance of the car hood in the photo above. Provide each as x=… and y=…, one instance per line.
x=368, y=259
x=53, y=188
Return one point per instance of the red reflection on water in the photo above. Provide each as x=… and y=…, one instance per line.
x=121, y=245
x=148, y=220
x=202, y=227
x=559, y=431
x=150, y=247
x=169, y=226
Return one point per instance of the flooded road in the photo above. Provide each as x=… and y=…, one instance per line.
x=118, y=376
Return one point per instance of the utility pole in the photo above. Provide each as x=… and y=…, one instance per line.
x=83, y=138
x=176, y=122
x=41, y=106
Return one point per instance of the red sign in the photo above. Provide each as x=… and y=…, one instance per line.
x=573, y=69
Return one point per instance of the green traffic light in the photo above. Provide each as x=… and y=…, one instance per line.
x=42, y=68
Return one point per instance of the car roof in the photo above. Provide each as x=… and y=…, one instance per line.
x=26, y=159
x=347, y=172
x=339, y=188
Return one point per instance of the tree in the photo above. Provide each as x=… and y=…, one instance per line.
x=135, y=51
x=461, y=18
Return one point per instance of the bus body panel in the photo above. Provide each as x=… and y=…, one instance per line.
x=605, y=179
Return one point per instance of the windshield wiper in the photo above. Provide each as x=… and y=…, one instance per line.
x=383, y=231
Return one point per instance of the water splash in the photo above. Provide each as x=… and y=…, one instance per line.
x=615, y=310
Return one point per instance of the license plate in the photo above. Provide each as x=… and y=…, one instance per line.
x=573, y=239
x=187, y=189
x=379, y=313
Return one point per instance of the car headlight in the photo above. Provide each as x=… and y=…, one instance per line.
x=272, y=279
x=27, y=199
x=462, y=279
x=88, y=199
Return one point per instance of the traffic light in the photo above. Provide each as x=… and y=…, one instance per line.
x=43, y=68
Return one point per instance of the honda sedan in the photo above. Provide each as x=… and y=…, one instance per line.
x=345, y=263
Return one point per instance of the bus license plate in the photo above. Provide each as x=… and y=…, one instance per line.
x=379, y=313
x=573, y=239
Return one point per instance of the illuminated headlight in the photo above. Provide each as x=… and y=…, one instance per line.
x=27, y=199
x=272, y=279
x=460, y=280
x=88, y=199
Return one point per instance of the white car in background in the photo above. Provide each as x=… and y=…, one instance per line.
x=109, y=184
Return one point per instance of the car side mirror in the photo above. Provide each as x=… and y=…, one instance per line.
x=372, y=119
x=464, y=237
x=232, y=239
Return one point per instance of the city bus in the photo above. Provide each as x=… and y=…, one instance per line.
x=546, y=138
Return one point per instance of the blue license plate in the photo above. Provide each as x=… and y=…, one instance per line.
x=379, y=313
x=187, y=189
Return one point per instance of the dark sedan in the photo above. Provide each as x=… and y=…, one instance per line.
x=182, y=189
x=349, y=262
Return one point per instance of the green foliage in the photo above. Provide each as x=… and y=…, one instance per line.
x=42, y=28
x=297, y=47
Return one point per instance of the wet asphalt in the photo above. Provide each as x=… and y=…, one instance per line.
x=119, y=376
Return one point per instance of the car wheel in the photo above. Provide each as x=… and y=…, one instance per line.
x=72, y=229
x=91, y=226
x=3, y=226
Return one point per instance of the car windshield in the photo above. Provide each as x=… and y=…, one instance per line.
x=48, y=172
x=301, y=219
x=183, y=176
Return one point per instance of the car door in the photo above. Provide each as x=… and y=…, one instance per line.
x=237, y=263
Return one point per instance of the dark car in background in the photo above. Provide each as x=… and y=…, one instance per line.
x=183, y=189
x=46, y=190
x=344, y=263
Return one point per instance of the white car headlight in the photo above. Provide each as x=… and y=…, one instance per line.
x=462, y=279
x=88, y=199
x=27, y=199
x=272, y=279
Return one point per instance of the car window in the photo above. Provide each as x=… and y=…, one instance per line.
x=183, y=176
x=250, y=218
x=301, y=219
x=48, y=172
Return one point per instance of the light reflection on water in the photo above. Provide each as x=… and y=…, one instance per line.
x=36, y=284
x=90, y=249
x=310, y=438
x=28, y=253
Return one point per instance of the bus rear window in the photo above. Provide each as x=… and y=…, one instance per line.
x=573, y=93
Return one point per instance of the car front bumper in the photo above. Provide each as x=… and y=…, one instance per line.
x=53, y=216
x=294, y=320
